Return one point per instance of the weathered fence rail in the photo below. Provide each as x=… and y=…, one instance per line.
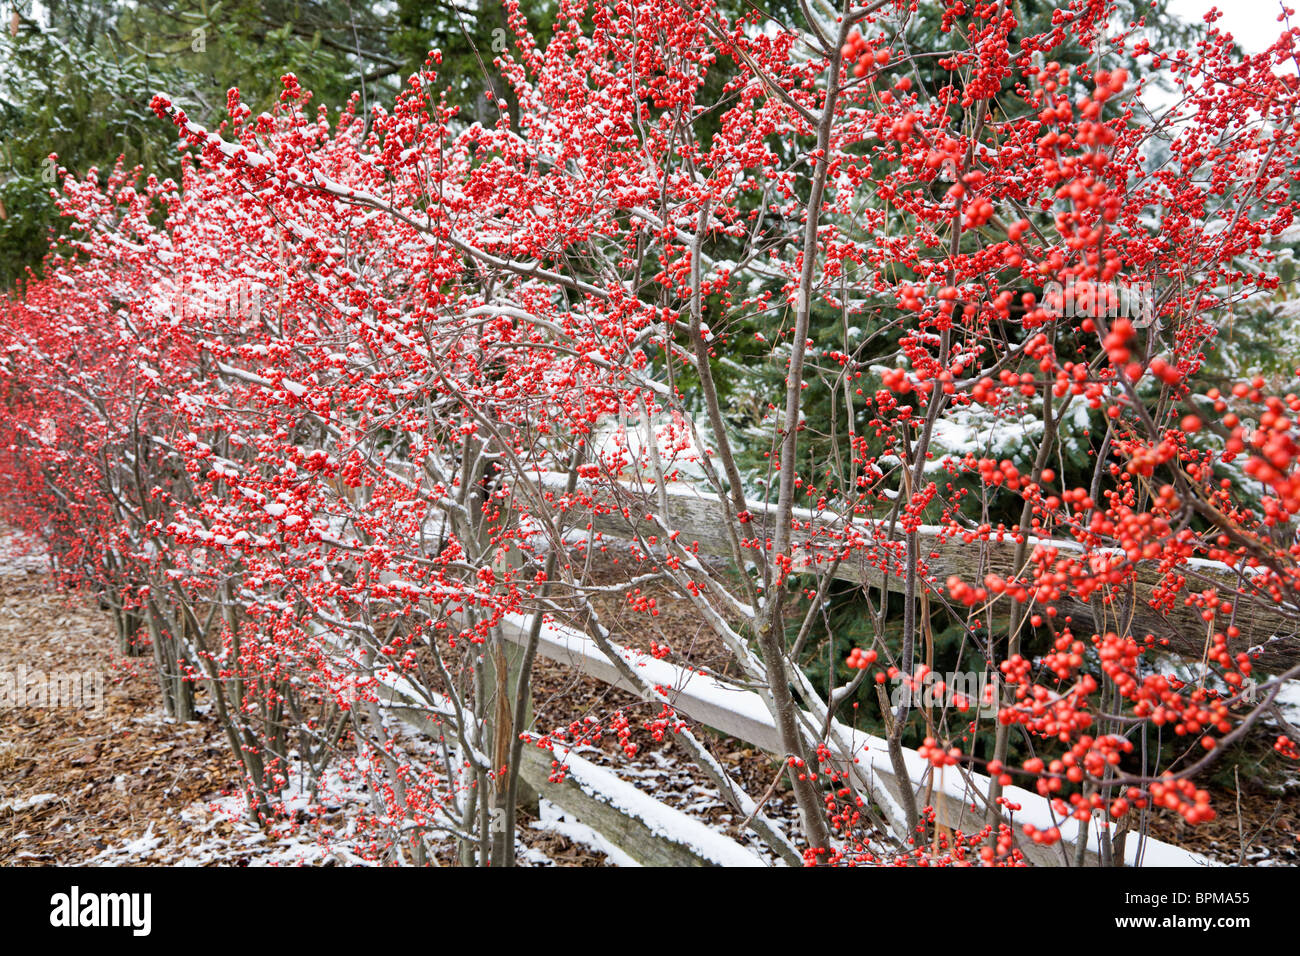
x=877, y=560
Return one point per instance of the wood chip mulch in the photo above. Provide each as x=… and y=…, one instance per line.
x=74, y=780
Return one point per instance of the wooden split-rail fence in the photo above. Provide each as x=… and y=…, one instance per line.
x=655, y=834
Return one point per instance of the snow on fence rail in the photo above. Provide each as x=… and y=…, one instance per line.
x=739, y=713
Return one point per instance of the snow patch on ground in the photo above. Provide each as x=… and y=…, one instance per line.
x=1288, y=701
x=20, y=555
x=329, y=831
x=221, y=833
x=36, y=800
